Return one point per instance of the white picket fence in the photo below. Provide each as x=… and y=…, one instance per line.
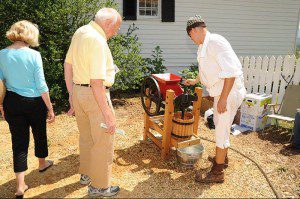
x=268, y=75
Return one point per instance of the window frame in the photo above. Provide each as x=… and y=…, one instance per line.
x=148, y=17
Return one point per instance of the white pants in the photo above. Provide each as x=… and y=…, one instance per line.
x=223, y=121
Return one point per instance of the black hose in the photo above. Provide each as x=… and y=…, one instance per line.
x=258, y=166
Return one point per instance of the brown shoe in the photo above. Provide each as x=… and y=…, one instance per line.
x=216, y=175
x=213, y=160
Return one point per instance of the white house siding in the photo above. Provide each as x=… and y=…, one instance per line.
x=253, y=27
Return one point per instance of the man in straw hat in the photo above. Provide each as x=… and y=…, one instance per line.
x=220, y=71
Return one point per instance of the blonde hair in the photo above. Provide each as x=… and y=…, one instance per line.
x=24, y=31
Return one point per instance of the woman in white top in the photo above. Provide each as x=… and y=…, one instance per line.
x=220, y=71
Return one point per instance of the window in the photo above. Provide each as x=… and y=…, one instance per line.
x=148, y=8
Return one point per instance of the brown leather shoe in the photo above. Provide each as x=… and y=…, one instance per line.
x=216, y=175
x=213, y=160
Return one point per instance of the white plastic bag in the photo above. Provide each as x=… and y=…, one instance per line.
x=208, y=113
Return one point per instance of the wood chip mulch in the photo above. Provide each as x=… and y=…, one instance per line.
x=140, y=171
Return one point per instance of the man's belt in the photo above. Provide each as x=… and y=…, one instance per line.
x=88, y=85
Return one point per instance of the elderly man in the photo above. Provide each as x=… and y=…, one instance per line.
x=89, y=72
x=220, y=71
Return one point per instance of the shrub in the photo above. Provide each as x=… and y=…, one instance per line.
x=57, y=21
x=191, y=73
x=155, y=62
x=125, y=49
x=297, y=53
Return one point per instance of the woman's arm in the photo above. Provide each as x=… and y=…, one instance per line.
x=2, y=93
x=43, y=88
x=46, y=99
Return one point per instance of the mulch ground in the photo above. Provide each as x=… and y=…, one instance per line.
x=140, y=171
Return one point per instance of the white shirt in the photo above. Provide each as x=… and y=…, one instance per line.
x=218, y=61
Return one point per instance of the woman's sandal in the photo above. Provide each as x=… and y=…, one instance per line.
x=47, y=167
x=21, y=196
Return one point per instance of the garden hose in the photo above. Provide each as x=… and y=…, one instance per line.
x=258, y=166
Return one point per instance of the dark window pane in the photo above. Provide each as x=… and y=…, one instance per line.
x=148, y=12
x=142, y=3
x=148, y=3
x=142, y=12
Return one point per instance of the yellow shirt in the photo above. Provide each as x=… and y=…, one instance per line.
x=90, y=56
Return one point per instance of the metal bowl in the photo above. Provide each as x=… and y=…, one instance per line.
x=188, y=156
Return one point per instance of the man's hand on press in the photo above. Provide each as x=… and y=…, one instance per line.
x=190, y=82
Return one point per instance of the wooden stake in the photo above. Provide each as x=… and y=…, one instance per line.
x=169, y=112
x=196, y=109
x=146, y=117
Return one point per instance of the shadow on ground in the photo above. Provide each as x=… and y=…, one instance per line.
x=65, y=168
x=280, y=136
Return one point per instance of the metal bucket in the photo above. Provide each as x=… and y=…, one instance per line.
x=188, y=156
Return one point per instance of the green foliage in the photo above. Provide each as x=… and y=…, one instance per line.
x=190, y=73
x=133, y=68
x=58, y=20
x=155, y=63
x=297, y=53
x=126, y=52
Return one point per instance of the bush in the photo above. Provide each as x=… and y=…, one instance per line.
x=125, y=49
x=57, y=21
x=191, y=73
x=155, y=63
x=297, y=53
x=133, y=68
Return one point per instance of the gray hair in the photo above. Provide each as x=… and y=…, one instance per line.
x=107, y=14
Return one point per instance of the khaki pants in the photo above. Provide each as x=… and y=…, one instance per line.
x=95, y=145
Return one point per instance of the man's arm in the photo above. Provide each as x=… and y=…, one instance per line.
x=99, y=94
x=189, y=82
x=222, y=103
x=68, y=70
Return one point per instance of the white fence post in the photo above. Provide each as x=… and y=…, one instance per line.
x=270, y=74
x=266, y=75
x=263, y=74
x=296, y=79
x=277, y=77
x=251, y=74
x=256, y=73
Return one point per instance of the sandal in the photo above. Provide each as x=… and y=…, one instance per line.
x=47, y=167
x=22, y=195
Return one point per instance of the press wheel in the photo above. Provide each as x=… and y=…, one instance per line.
x=151, y=96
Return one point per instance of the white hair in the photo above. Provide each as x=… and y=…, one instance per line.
x=107, y=14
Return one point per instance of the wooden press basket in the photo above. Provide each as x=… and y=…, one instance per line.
x=183, y=128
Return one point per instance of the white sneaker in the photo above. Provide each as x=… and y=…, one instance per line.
x=95, y=192
x=84, y=179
